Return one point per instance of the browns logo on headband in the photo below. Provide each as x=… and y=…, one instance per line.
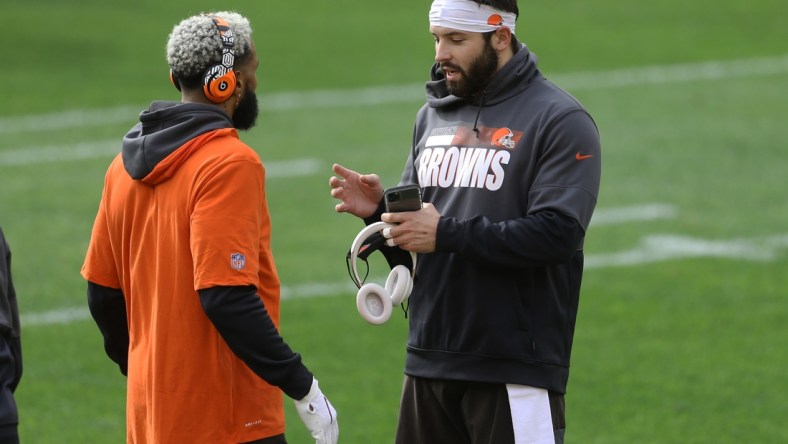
x=466, y=15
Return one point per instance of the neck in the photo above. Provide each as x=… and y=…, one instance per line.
x=197, y=96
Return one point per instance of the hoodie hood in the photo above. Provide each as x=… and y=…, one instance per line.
x=164, y=128
x=510, y=80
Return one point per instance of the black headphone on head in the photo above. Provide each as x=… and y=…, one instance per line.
x=219, y=80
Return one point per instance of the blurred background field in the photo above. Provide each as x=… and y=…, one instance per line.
x=682, y=331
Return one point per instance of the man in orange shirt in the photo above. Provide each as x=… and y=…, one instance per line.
x=181, y=278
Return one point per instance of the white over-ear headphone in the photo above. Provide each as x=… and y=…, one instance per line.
x=374, y=302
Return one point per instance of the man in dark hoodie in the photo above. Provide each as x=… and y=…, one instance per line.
x=10, y=348
x=181, y=277
x=509, y=166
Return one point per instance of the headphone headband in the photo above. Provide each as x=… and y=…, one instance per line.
x=220, y=81
x=373, y=301
x=361, y=239
x=228, y=40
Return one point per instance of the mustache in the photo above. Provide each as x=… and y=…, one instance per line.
x=451, y=66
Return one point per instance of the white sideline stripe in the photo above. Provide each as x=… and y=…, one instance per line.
x=337, y=98
x=58, y=153
x=664, y=247
x=652, y=248
x=110, y=148
x=61, y=316
x=610, y=216
x=302, y=291
x=292, y=168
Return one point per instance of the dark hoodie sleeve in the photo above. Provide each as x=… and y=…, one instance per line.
x=243, y=322
x=108, y=308
x=541, y=238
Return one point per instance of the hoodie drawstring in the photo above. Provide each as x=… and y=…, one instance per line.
x=479, y=113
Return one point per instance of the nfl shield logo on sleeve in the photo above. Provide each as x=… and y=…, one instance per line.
x=237, y=261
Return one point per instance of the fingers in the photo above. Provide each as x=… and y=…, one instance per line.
x=370, y=179
x=336, y=191
x=339, y=180
x=386, y=232
x=342, y=171
x=343, y=175
x=393, y=218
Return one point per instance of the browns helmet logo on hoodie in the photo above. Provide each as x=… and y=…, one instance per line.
x=504, y=137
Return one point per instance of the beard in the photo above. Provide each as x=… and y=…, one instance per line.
x=479, y=73
x=245, y=115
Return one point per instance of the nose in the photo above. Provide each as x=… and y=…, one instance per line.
x=441, y=52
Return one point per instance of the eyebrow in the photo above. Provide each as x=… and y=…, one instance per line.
x=450, y=34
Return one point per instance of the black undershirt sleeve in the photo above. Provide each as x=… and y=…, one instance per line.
x=108, y=308
x=240, y=316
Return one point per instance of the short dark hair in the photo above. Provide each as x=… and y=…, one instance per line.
x=514, y=44
x=507, y=6
x=503, y=5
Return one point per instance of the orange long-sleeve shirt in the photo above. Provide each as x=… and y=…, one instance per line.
x=198, y=220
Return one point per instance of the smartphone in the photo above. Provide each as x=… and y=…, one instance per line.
x=402, y=198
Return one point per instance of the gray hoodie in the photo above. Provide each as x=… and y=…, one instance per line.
x=515, y=174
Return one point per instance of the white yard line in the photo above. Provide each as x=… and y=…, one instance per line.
x=665, y=247
x=300, y=291
x=610, y=216
x=110, y=148
x=652, y=248
x=34, y=155
x=337, y=98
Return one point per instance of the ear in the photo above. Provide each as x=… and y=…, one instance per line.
x=502, y=39
x=239, y=81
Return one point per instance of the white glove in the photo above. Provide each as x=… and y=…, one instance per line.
x=318, y=415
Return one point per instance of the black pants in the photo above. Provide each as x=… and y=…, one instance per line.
x=278, y=439
x=10, y=373
x=460, y=412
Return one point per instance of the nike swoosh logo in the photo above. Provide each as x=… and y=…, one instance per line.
x=579, y=156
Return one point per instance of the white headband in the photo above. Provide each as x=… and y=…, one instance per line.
x=466, y=15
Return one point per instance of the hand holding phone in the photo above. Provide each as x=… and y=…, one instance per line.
x=402, y=198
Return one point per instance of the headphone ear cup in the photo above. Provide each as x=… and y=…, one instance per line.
x=399, y=284
x=174, y=81
x=219, y=89
x=374, y=304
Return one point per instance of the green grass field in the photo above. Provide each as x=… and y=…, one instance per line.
x=683, y=323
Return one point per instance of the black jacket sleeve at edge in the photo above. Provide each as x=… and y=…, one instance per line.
x=10, y=327
x=108, y=308
x=243, y=322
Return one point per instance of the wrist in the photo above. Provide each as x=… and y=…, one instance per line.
x=314, y=392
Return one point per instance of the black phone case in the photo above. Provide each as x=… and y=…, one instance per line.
x=403, y=198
